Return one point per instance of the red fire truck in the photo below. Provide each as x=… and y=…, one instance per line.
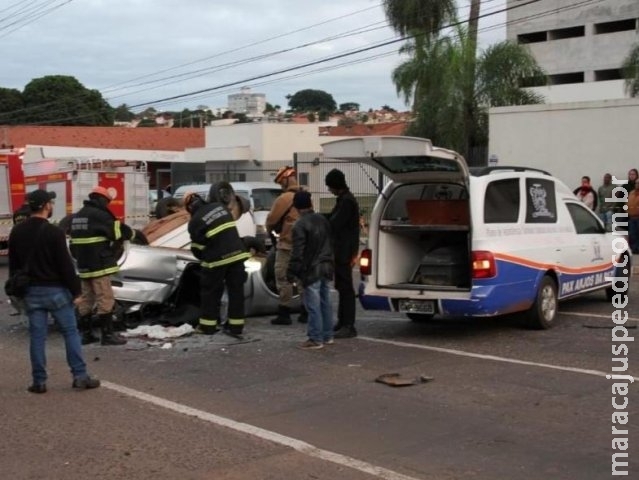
x=72, y=179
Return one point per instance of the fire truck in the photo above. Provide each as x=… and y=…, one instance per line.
x=72, y=179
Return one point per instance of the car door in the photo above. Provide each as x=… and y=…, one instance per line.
x=588, y=259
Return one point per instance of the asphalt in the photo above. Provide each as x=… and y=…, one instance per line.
x=504, y=403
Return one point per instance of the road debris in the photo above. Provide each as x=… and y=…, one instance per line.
x=396, y=380
x=159, y=332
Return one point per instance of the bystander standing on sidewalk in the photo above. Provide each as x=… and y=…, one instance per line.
x=606, y=207
x=633, y=218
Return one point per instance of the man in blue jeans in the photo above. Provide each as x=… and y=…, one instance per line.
x=312, y=264
x=40, y=248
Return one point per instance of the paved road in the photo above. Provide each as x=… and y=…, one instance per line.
x=505, y=403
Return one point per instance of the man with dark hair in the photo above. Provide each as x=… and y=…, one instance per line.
x=216, y=242
x=312, y=263
x=344, y=220
x=40, y=249
x=96, y=237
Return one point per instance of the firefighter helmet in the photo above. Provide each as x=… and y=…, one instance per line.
x=192, y=202
x=283, y=173
x=98, y=190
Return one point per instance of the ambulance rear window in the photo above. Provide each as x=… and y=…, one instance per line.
x=501, y=203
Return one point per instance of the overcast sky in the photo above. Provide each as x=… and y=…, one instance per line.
x=137, y=51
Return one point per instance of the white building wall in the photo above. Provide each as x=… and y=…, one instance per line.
x=591, y=54
x=568, y=140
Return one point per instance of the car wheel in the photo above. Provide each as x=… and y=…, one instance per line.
x=543, y=313
x=619, y=273
x=420, y=317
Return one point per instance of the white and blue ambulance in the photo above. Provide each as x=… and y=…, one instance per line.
x=445, y=241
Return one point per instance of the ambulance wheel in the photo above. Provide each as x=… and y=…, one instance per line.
x=420, y=317
x=543, y=313
x=619, y=273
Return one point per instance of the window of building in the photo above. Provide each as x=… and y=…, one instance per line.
x=571, y=32
x=564, y=78
x=611, y=74
x=533, y=37
x=617, y=26
x=303, y=178
x=501, y=203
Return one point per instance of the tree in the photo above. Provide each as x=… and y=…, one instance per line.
x=449, y=86
x=147, y=122
x=123, y=114
x=425, y=17
x=436, y=78
x=630, y=71
x=63, y=100
x=11, y=106
x=349, y=107
x=311, y=117
x=269, y=109
x=311, y=101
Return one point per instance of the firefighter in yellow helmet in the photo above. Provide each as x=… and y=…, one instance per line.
x=216, y=242
x=96, y=235
x=280, y=220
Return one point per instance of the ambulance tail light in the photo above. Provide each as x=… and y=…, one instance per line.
x=366, y=262
x=484, y=265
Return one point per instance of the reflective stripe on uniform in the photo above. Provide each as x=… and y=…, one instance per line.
x=236, y=321
x=197, y=246
x=216, y=230
x=117, y=230
x=99, y=273
x=226, y=261
x=88, y=240
x=208, y=323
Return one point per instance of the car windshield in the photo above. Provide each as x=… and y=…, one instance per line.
x=263, y=198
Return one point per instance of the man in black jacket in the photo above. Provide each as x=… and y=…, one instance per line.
x=344, y=220
x=216, y=242
x=312, y=263
x=96, y=235
x=40, y=249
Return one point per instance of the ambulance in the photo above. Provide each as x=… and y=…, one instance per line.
x=447, y=241
x=72, y=179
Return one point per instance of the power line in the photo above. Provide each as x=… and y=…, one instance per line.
x=32, y=18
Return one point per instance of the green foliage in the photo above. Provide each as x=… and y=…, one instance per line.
x=11, y=106
x=630, y=72
x=63, y=100
x=311, y=101
x=269, y=109
x=311, y=117
x=349, y=107
x=451, y=90
x=419, y=16
x=346, y=122
x=123, y=114
x=323, y=115
x=147, y=122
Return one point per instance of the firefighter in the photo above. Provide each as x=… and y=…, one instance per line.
x=216, y=242
x=96, y=238
x=280, y=220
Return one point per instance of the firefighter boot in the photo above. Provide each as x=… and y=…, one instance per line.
x=85, y=325
x=109, y=337
x=283, y=316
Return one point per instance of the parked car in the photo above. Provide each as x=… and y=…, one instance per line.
x=154, y=197
x=448, y=241
x=260, y=195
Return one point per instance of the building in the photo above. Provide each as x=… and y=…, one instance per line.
x=251, y=104
x=581, y=45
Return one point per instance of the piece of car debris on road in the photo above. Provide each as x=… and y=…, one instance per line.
x=396, y=380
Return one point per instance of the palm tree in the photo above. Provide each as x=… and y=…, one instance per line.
x=630, y=71
x=451, y=91
x=423, y=16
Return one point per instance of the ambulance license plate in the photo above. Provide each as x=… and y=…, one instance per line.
x=417, y=306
